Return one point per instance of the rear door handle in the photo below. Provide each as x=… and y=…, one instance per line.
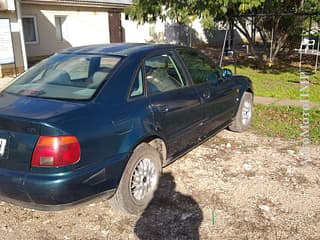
x=206, y=94
x=159, y=108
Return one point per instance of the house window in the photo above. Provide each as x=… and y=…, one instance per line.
x=30, y=31
x=61, y=27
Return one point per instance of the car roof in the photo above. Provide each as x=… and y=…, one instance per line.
x=120, y=49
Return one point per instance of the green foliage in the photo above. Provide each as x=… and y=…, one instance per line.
x=284, y=122
x=179, y=10
x=149, y=10
x=248, y=5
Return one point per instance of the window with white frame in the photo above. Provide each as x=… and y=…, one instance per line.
x=61, y=27
x=30, y=31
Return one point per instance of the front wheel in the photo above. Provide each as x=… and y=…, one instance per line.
x=139, y=180
x=244, y=114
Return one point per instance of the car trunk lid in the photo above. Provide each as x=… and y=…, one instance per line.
x=17, y=140
x=22, y=121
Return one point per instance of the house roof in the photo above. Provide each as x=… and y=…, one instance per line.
x=89, y=3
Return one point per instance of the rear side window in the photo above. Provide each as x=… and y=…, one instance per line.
x=137, y=88
x=65, y=76
x=200, y=67
x=162, y=74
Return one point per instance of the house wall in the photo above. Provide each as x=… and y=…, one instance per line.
x=10, y=69
x=90, y=25
x=83, y=26
x=163, y=32
x=168, y=32
x=142, y=33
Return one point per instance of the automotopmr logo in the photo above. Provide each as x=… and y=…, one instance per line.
x=305, y=123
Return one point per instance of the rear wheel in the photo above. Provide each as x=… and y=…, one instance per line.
x=139, y=180
x=243, y=118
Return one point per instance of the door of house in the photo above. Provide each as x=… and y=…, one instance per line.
x=115, y=29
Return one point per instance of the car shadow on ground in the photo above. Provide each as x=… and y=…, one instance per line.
x=170, y=214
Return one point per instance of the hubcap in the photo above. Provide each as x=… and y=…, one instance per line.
x=246, y=113
x=143, y=180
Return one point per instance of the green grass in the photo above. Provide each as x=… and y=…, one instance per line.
x=280, y=83
x=284, y=122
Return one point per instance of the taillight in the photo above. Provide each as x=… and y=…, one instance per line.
x=56, y=151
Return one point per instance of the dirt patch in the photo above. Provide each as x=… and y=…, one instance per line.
x=234, y=186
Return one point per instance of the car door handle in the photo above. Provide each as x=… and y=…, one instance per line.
x=206, y=94
x=159, y=108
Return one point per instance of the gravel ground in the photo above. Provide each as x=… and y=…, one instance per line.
x=234, y=186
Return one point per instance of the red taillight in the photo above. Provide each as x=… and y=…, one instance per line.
x=56, y=151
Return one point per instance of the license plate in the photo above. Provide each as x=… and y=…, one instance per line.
x=3, y=143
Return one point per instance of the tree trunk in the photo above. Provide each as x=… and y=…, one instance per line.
x=243, y=29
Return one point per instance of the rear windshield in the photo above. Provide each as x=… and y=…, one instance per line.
x=65, y=76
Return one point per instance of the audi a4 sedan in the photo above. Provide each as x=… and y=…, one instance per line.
x=105, y=119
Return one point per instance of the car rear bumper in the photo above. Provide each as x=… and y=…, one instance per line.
x=56, y=191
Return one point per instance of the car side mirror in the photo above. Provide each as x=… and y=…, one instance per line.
x=226, y=72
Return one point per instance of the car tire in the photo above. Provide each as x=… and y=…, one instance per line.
x=142, y=172
x=244, y=114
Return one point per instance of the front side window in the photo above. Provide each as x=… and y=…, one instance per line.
x=65, y=76
x=162, y=74
x=199, y=67
x=30, y=31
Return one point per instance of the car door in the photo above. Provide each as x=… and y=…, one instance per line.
x=218, y=95
x=174, y=102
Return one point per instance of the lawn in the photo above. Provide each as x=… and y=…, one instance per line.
x=284, y=122
x=280, y=83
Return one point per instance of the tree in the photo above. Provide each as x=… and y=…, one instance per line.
x=238, y=12
x=282, y=23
